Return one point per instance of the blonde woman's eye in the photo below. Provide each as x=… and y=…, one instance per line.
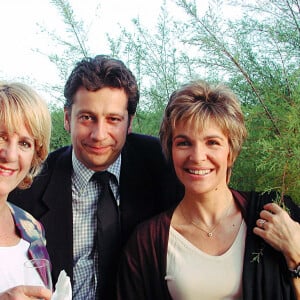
x=3, y=137
x=25, y=145
x=213, y=142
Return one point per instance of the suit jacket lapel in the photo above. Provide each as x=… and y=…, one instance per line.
x=58, y=218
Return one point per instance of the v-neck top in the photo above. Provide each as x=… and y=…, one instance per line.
x=193, y=274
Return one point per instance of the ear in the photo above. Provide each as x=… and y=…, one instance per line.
x=129, y=130
x=67, y=118
x=230, y=162
x=230, y=158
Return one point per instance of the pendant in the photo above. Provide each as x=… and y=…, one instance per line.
x=209, y=234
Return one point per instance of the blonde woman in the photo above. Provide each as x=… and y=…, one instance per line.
x=25, y=128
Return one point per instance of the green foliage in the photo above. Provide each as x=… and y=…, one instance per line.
x=259, y=59
x=60, y=137
x=147, y=122
x=159, y=65
x=256, y=53
x=254, y=57
x=71, y=45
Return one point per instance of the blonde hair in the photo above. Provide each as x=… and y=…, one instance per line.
x=196, y=104
x=20, y=104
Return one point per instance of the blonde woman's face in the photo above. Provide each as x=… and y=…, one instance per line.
x=16, y=155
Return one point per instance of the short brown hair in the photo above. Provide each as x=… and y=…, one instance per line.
x=197, y=103
x=98, y=72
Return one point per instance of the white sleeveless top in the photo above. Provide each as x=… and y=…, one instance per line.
x=195, y=275
x=12, y=261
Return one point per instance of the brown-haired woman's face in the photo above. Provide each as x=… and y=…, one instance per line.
x=200, y=158
x=16, y=155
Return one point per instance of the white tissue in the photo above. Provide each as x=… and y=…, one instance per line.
x=63, y=288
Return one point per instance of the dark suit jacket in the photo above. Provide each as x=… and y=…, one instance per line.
x=147, y=187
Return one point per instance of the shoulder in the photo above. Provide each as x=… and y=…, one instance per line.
x=54, y=155
x=254, y=202
x=29, y=227
x=20, y=213
x=262, y=198
x=144, y=150
x=144, y=146
x=244, y=198
x=154, y=228
x=143, y=140
x=57, y=161
x=140, y=138
x=286, y=202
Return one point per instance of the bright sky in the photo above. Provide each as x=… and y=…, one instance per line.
x=20, y=34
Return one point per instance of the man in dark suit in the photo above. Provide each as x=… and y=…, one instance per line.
x=101, y=99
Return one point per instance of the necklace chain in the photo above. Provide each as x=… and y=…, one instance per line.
x=210, y=232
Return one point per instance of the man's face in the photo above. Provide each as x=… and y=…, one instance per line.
x=98, y=123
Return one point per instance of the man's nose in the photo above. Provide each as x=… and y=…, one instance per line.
x=100, y=130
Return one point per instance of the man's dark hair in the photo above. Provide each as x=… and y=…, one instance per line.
x=99, y=72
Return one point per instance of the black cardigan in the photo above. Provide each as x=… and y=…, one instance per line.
x=143, y=265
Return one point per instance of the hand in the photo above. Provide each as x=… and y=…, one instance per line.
x=280, y=231
x=24, y=292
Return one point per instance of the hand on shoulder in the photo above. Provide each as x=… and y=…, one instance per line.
x=280, y=231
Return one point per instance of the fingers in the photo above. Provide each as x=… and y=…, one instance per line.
x=37, y=292
x=273, y=208
x=26, y=292
x=270, y=215
x=269, y=221
x=261, y=223
x=279, y=230
x=272, y=212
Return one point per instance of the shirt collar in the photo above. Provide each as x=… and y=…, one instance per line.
x=82, y=174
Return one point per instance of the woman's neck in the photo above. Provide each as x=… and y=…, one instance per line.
x=8, y=232
x=209, y=207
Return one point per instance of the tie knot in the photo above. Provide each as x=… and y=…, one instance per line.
x=102, y=177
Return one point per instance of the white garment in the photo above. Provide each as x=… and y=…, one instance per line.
x=12, y=261
x=63, y=288
x=195, y=275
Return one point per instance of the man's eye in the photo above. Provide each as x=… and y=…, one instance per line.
x=85, y=118
x=114, y=119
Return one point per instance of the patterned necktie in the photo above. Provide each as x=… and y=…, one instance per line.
x=108, y=234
